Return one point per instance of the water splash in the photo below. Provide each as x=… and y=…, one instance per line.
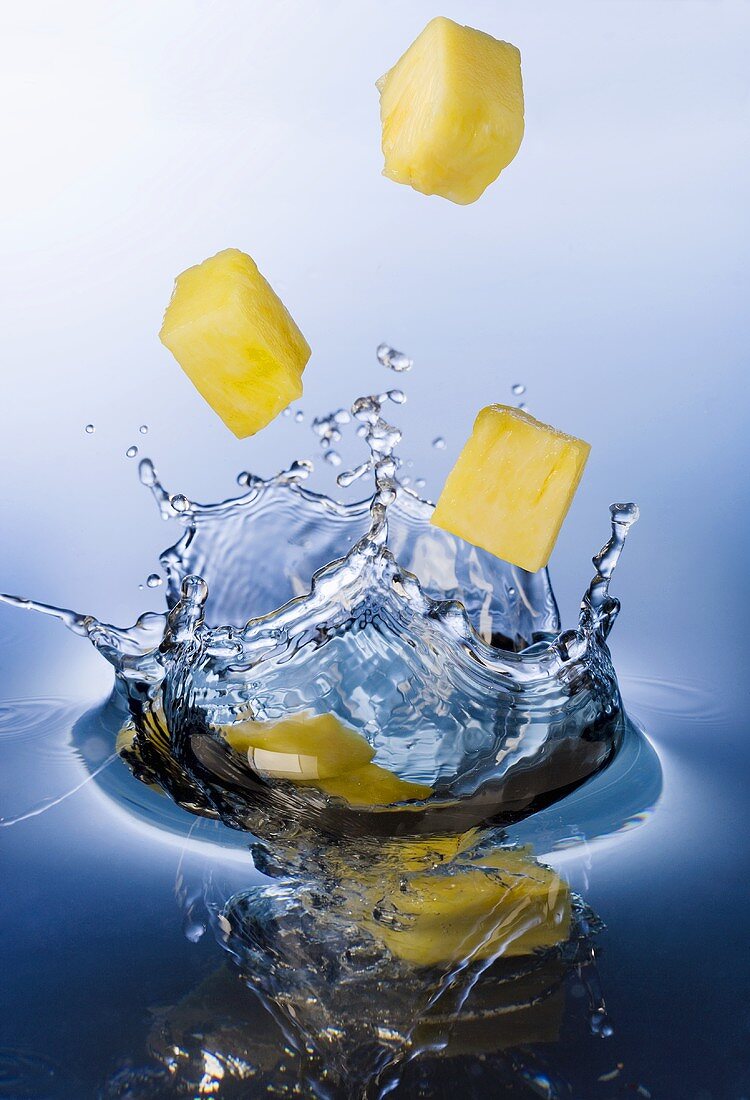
x=446, y=661
x=394, y=360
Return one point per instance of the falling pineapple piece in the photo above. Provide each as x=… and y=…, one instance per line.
x=303, y=747
x=502, y=904
x=235, y=340
x=512, y=486
x=452, y=111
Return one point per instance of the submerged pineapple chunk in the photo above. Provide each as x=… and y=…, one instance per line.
x=374, y=786
x=319, y=750
x=512, y=485
x=502, y=904
x=304, y=747
x=235, y=340
x=452, y=111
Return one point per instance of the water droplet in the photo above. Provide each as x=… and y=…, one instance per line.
x=287, y=411
x=522, y=406
x=601, y=1025
x=147, y=473
x=300, y=469
x=299, y=416
x=89, y=429
x=420, y=483
x=193, y=929
x=625, y=513
x=438, y=443
x=143, y=429
x=131, y=452
x=180, y=503
x=153, y=580
x=350, y=476
x=398, y=397
x=394, y=360
x=518, y=388
x=333, y=458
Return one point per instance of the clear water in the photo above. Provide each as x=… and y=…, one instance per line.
x=268, y=935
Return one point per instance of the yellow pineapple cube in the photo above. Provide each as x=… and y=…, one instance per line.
x=303, y=747
x=452, y=111
x=374, y=786
x=507, y=904
x=235, y=340
x=512, y=486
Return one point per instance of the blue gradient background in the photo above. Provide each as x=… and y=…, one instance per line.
x=606, y=269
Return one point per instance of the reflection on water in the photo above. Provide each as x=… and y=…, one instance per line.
x=375, y=971
x=365, y=966
x=393, y=742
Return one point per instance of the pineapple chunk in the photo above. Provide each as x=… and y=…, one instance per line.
x=235, y=340
x=512, y=486
x=304, y=747
x=507, y=904
x=319, y=750
x=452, y=111
x=373, y=786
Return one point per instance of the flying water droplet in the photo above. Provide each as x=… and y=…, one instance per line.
x=600, y=1024
x=420, y=483
x=180, y=503
x=193, y=928
x=518, y=388
x=398, y=397
x=143, y=429
x=333, y=458
x=153, y=580
x=131, y=452
x=438, y=443
x=89, y=429
x=299, y=416
x=394, y=360
x=348, y=477
x=287, y=411
x=300, y=469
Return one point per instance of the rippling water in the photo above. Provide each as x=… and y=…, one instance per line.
x=226, y=930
